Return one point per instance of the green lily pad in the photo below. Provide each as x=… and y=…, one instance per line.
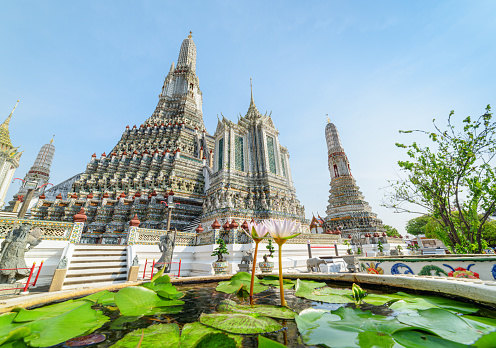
x=486, y=341
x=442, y=323
x=417, y=339
x=326, y=294
x=264, y=342
x=79, y=321
x=164, y=310
x=192, y=333
x=452, y=305
x=15, y=344
x=412, y=305
x=104, y=298
x=347, y=327
x=240, y=323
x=482, y=324
x=10, y=331
x=240, y=281
x=27, y=315
x=274, y=281
x=216, y=340
x=278, y=312
x=119, y=323
x=137, y=300
x=160, y=335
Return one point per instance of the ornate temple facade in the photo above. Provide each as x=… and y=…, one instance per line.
x=166, y=153
x=250, y=177
x=347, y=210
x=39, y=173
x=241, y=173
x=9, y=158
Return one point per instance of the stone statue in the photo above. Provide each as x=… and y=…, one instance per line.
x=13, y=249
x=313, y=265
x=166, y=246
x=248, y=257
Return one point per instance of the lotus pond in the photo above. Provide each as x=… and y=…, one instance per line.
x=159, y=314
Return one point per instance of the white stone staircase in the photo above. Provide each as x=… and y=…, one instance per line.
x=96, y=264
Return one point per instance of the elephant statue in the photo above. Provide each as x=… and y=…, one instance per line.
x=248, y=257
x=313, y=265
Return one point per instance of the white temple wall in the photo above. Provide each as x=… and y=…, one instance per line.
x=49, y=251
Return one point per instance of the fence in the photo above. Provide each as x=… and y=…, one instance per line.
x=160, y=263
x=32, y=268
x=51, y=230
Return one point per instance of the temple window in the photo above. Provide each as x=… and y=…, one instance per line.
x=283, y=166
x=221, y=153
x=238, y=154
x=336, y=172
x=271, y=154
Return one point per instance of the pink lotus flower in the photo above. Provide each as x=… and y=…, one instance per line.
x=258, y=231
x=281, y=230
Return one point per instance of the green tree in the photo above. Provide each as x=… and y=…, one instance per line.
x=454, y=181
x=417, y=225
x=391, y=231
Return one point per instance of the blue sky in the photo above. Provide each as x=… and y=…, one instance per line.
x=85, y=70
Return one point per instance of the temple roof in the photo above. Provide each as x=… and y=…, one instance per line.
x=5, y=142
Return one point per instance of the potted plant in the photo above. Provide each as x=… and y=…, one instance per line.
x=399, y=249
x=220, y=266
x=266, y=266
x=349, y=251
x=417, y=249
x=380, y=247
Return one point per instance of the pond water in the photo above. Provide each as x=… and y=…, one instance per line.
x=202, y=298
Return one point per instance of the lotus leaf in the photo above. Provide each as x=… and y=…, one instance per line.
x=118, y=324
x=104, y=298
x=240, y=323
x=10, y=331
x=216, y=340
x=240, y=281
x=442, y=323
x=192, y=333
x=264, y=342
x=412, y=302
x=137, y=300
x=264, y=310
x=27, y=315
x=79, y=321
x=303, y=289
x=274, y=281
x=15, y=344
x=416, y=339
x=161, y=335
x=347, y=327
x=486, y=341
x=484, y=325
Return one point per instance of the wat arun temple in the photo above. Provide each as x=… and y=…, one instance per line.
x=239, y=173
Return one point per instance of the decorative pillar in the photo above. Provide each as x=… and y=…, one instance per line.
x=133, y=234
x=215, y=226
x=77, y=229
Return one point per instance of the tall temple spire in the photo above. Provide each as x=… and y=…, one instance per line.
x=4, y=131
x=187, y=54
x=252, y=109
x=252, y=102
x=347, y=209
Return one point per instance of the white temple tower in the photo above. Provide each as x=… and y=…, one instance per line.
x=39, y=172
x=347, y=209
x=9, y=158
